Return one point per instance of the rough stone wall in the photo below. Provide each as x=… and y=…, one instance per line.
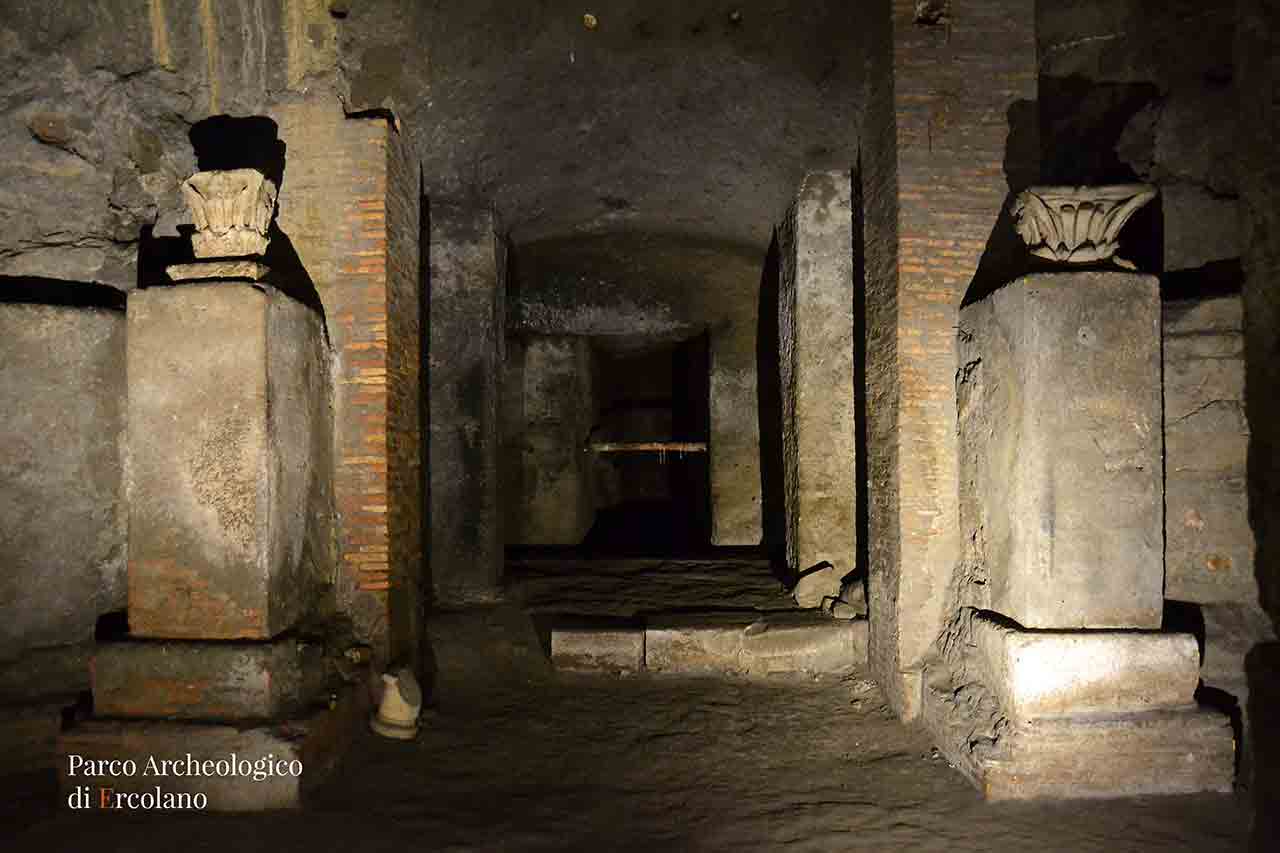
x=1209, y=546
x=1257, y=57
x=96, y=103
x=62, y=516
x=464, y=371
x=962, y=112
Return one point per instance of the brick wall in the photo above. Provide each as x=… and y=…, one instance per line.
x=349, y=205
x=960, y=100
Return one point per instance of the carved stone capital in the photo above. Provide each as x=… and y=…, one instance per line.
x=232, y=211
x=1077, y=225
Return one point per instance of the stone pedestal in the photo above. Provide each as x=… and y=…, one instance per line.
x=1061, y=501
x=230, y=449
x=815, y=331
x=227, y=433
x=1060, y=449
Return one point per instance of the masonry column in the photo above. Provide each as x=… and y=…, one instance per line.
x=466, y=328
x=951, y=108
x=815, y=331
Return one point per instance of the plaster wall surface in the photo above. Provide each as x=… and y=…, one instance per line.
x=1209, y=544
x=62, y=510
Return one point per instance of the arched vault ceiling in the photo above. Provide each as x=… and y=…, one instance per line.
x=671, y=116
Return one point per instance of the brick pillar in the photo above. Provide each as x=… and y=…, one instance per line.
x=350, y=204
x=935, y=155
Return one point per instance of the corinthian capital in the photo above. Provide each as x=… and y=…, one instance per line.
x=232, y=211
x=1077, y=225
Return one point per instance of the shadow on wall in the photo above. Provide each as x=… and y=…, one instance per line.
x=1005, y=257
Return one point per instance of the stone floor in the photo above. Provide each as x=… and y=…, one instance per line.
x=653, y=764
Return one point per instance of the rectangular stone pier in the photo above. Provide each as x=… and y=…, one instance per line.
x=815, y=331
x=1060, y=449
x=228, y=444
x=464, y=369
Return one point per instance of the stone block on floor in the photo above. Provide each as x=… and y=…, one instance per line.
x=599, y=649
x=767, y=646
x=1059, y=673
x=206, y=681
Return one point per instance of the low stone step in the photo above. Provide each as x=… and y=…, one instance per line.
x=717, y=645
x=1071, y=673
x=597, y=649
x=1126, y=755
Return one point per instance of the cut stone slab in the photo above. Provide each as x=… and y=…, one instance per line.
x=1128, y=755
x=206, y=681
x=318, y=741
x=598, y=649
x=204, y=270
x=1047, y=674
x=1059, y=407
x=815, y=331
x=227, y=416
x=762, y=647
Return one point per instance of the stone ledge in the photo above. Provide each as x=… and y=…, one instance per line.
x=1050, y=674
x=709, y=644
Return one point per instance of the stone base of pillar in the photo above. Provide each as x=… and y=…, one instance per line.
x=314, y=741
x=207, y=681
x=1033, y=714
